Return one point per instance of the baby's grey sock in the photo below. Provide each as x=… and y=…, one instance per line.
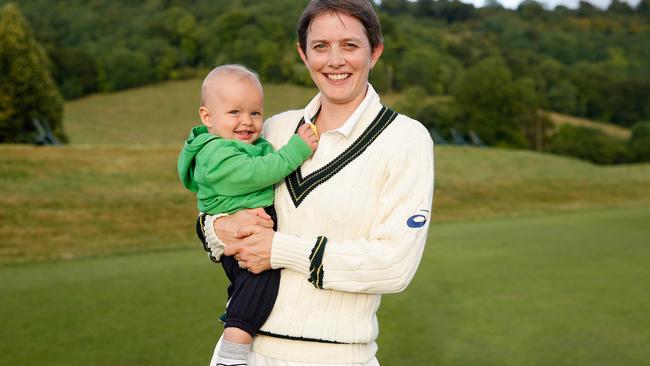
x=233, y=354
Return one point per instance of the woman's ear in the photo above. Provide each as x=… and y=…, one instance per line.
x=376, y=54
x=303, y=57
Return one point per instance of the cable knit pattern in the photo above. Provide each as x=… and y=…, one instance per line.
x=215, y=245
x=374, y=213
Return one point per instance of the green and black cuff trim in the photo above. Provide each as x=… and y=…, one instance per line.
x=316, y=271
x=299, y=187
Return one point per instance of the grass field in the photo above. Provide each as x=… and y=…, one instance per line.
x=560, y=289
x=532, y=259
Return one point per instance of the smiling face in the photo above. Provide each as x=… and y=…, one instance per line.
x=233, y=108
x=339, y=57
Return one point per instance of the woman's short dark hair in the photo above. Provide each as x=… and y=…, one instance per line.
x=360, y=9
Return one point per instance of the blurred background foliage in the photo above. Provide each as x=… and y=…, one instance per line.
x=27, y=90
x=489, y=70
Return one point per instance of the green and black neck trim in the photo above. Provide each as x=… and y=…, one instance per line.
x=299, y=187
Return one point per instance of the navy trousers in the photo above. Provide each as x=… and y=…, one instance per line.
x=250, y=296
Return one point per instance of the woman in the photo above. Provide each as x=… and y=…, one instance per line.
x=353, y=220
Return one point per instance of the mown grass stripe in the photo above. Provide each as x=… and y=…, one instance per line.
x=561, y=289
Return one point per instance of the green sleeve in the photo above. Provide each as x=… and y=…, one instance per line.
x=236, y=172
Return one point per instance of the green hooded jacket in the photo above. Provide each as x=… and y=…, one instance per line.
x=230, y=175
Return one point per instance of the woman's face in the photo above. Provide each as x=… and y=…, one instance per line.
x=339, y=57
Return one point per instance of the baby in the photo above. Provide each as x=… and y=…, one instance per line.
x=231, y=167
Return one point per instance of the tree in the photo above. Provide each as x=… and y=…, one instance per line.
x=122, y=68
x=453, y=10
x=74, y=71
x=589, y=144
x=434, y=112
x=619, y=7
x=180, y=28
x=644, y=7
x=586, y=9
x=531, y=9
x=425, y=68
x=639, y=141
x=27, y=90
x=562, y=97
x=395, y=7
x=424, y=8
x=500, y=110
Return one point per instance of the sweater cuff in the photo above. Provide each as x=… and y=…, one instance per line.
x=291, y=252
x=215, y=245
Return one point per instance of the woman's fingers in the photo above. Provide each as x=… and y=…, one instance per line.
x=252, y=248
x=233, y=250
x=253, y=217
x=261, y=213
x=267, y=223
x=246, y=231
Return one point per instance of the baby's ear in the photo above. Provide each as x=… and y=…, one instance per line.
x=204, y=113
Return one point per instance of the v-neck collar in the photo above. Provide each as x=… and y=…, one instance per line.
x=299, y=187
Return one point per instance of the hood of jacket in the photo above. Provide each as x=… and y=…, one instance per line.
x=198, y=138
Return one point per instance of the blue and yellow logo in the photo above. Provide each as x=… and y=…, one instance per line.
x=418, y=220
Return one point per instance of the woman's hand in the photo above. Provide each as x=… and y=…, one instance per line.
x=226, y=227
x=253, y=248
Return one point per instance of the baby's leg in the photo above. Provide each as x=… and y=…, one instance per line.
x=235, y=347
x=236, y=335
x=236, y=343
x=251, y=300
x=252, y=296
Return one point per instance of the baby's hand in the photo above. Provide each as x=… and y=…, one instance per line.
x=307, y=134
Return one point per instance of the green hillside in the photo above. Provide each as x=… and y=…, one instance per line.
x=163, y=113
x=156, y=115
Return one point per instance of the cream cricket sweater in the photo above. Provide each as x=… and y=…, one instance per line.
x=352, y=224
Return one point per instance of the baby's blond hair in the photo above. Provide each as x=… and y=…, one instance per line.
x=212, y=79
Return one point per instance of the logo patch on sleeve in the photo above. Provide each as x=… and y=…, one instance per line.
x=418, y=220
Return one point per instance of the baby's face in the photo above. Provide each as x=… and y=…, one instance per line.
x=236, y=108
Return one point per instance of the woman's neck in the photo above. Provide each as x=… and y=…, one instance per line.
x=333, y=116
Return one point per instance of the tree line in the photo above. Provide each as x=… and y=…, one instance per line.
x=486, y=69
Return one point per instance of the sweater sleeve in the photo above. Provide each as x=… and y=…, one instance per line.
x=236, y=173
x=387, y=260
